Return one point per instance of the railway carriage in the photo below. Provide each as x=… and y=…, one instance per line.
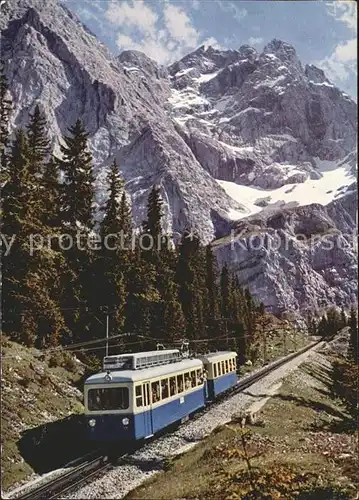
x=131, y=404
x=221, y=368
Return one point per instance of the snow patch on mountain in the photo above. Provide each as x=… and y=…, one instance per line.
x=333, y=183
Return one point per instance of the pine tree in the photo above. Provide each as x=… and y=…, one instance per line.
x=125, y=218
x=30, y=278
x=5, y=110
x=142, y=295
x=52, y=192
x=225, y=291
x=38, y=142
x=343, y=318
x=354, y=338
x=323, y=329
x=190, y=276
x=15, y=225
x=211, y=300
x=111, y=264
x=152, y=225
x=77, y=222
x=172, y=324
x=333, y=320
x=78, y=193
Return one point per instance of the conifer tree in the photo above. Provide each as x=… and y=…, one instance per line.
x=211, y=291
x=77, y=222
x=343, y=318
x=225, y=291
x=171, y=325
x=125, y=218
x=190, y=276
x=354, y=338
x=38, y=142
x=111, y=263
x=52, y=192
x=5, y=110
x=30, y=278
x=78, y=193
x=152, y=225
x=142, y=294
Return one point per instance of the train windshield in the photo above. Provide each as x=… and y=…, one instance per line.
x=116, y=398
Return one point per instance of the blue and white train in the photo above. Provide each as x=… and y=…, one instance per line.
x=137, y=395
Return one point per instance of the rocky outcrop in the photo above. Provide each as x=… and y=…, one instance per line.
x=299, y=259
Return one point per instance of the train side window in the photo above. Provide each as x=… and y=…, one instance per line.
x=219, y=369
x=139, y=400
x=193, y=378
x=180, y=384
x=227, y=366
x=223, y=368
x=199, y=377
x=156, y=393
x=173, y=387
x=164, y=388
x=215, y=370
x=187, y=381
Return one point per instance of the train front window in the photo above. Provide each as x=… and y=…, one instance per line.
x=114, y=398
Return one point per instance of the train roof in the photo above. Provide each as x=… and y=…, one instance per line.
x=217, y=356
x=144, y=374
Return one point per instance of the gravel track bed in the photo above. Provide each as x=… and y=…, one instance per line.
x=149, y=460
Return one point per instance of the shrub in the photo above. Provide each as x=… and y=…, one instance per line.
x=63, y=359
x=345, y=384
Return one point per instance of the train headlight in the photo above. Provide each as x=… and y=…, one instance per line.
x=125, y=421
x=92, y=422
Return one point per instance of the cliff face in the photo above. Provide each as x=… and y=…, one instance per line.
x=228, y=135
x=53, y=60
x=299, y=259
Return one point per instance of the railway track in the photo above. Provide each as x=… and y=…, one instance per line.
x=93, y=467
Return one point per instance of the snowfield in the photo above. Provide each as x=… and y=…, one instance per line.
x=333, y=183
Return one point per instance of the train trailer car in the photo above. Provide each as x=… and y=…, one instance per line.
x=129, y=405
x=221, y=368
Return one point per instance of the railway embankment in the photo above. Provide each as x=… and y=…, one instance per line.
x=41, y=404
x=301, y=442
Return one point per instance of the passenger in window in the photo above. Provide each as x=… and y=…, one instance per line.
x=193, y=379
x=164, y=387
x=187, y=382
x=172, y=387
x=180, y=383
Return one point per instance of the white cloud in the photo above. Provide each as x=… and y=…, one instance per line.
x=344, y=11
x=196, y=4
x=180, y=26
x=212, y=42
x=232, y=8
x=346, y=51
x=253, y=40
x=340, y=65
x=163, y=36
x=136, y=14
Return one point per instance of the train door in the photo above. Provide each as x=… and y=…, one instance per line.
x=147, y=415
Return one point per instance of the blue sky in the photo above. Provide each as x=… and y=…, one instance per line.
x=323, y=33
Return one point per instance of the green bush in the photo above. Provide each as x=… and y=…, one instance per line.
x=345, y=384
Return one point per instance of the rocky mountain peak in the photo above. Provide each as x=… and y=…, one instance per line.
x=316, y=75
x=283, y=50
x=133, y=60
x=248, y=52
